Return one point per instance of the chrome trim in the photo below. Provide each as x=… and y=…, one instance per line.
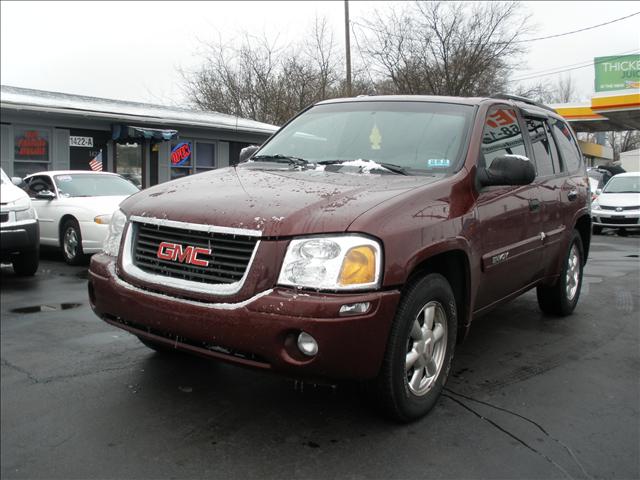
x=196, y=226
x=186, y=286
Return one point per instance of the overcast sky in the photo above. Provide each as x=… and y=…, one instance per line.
x=131, y=51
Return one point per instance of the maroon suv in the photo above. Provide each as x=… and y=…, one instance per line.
x=357, y=243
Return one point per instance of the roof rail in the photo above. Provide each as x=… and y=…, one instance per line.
x=518, y=98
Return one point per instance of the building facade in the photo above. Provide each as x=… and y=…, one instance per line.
x=149, y=144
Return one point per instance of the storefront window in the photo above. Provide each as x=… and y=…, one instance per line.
x=205, y=156
x=185, y=159
x=181, y=159
x=129, y=161
x=31, y=150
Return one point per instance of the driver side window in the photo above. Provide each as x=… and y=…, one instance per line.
x=38, y=184
x=501, y=136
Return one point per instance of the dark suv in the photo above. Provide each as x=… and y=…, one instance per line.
x=357, y=243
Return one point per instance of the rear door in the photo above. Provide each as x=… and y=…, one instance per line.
x=510, y=217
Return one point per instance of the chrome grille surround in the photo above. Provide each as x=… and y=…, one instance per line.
x=183, y=285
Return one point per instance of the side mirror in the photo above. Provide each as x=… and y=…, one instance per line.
x=45, y=195
x=16, y=181
x=508, y=170
x=247, y=152
x=598, y=191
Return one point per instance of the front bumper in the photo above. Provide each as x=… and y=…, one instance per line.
x=16, y=237
x=259, y=332
x=613, y=219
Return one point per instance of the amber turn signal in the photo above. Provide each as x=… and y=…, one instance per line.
x=359, y=266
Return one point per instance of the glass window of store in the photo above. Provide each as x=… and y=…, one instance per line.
x=32, y=150
x=191, y=156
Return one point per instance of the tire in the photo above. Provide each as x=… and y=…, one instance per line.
x=622, y=232
x=71, y=241
x=412, y=343
x=26, y=263
x=158, y=347
x=597, y=230
x=561, y=299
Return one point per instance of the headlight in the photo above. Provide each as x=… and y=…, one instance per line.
x=347, y=262
x=111, y=244
x=102, y=219
x=21, y=204
x=29, y=214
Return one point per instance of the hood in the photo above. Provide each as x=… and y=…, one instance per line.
x=10, y=193
x=619, y=199
x=277, y=202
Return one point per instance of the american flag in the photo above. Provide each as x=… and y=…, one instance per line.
x=96, y=163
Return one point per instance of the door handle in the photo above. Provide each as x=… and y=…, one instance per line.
x=534, y=204
x=572, y=195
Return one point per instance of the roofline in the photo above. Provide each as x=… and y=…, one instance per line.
x=129, y=118
x=111, y=115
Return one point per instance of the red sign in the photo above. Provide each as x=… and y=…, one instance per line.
x=31, y=145
x=177, y=253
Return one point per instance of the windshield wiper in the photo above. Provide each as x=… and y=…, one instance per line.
x=279, y=158
x=389, y=166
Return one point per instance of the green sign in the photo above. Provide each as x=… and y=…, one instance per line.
x=617, y=73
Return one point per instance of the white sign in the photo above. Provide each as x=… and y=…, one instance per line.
x=80, y=141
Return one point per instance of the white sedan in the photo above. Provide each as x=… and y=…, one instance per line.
x=75, y=207
x=618, y=204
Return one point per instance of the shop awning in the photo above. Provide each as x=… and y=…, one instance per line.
x=132, y=133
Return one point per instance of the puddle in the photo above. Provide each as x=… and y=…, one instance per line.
x=46, y=308
x=632, y=256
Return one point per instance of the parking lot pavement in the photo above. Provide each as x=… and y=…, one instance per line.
x=529, y=397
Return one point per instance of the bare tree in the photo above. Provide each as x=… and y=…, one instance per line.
x=447, y=48
x=623, y=142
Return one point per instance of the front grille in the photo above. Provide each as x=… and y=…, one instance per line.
x=619, y=221
x=4, y=217
x=228, y=262
x=606, y=207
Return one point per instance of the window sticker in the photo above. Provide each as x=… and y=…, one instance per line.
x=375, y=138
x=438, y=163
x=64, y=178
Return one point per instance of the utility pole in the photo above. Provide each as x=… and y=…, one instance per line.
x=347, y=41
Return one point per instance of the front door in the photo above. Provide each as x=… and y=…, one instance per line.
x=510, y=217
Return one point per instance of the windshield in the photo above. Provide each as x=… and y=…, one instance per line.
x=93, y=185
x=623, y=185
x=421, y=137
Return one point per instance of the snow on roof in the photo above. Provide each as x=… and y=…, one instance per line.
x=39, y=100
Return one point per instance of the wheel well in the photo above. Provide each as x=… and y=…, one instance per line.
x=454, y=266
x=583, y=225
x=64, y=220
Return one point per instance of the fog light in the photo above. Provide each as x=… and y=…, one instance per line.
x=307, y=344
x=354, y=308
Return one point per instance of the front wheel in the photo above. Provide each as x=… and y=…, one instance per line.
x=561, y=299
x=419, y=350
x=72, y=243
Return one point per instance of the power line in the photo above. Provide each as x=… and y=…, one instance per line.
x=576, y=31
x=526, y=40
x=531, y=77
x=582, y=63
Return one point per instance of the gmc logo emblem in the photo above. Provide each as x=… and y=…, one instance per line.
x=177, y=253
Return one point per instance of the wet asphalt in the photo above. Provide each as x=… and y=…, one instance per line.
x=529, y=397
